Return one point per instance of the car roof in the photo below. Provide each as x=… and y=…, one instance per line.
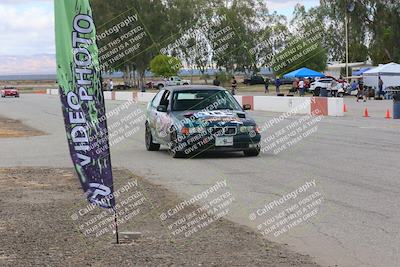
x=193, y=87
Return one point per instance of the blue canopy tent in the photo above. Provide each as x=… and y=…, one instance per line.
x=360, y=72
x=303, y=72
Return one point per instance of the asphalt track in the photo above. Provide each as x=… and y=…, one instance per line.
x=354, y=161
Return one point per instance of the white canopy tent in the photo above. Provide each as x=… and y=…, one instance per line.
x=390, y=75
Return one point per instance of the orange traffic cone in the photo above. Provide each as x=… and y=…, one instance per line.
x=344, y=108
x=366, y=113
x=388, y=114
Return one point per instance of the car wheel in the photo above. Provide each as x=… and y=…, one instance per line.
x=150, y=146
x=172, y=146
x=252, y=152
x=160, y=86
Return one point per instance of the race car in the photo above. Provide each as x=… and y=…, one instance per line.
x=192, y=119
x=9, y=91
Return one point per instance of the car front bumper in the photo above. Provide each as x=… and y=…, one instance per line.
x=200, y=143
x=10, y=94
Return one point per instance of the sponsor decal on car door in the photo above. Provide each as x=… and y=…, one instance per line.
x=163, y=118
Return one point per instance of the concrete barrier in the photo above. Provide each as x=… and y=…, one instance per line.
x=319, y=106
x=145, y=97
x=238, y=99
x=296, y=105
x=335, y=107
x=125, y=95
x=107, y=95
x=41, y=92
x=52, y=91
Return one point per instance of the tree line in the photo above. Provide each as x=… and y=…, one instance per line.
x=243, y=35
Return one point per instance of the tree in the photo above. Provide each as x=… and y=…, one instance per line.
x=374, y=29
x=189, y=37
x=303, y=46
x=333, y=14
x=231, y=50
x=108, y=14
x=246, y=36
x=384, y=24
x=166, y=66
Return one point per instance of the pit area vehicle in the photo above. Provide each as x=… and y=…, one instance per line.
x=333, y=86
x=255, y=79
x=171, y=81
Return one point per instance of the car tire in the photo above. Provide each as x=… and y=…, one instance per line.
x=252, y=152
x=173, y=144
x=150, y=146
x=160, y=86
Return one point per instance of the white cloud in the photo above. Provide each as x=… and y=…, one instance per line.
x=286, y=7
x=17, y=2
x=26, y=29
x=279, y=4
x=24, y=64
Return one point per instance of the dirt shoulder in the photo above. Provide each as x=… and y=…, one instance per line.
x=43, y=223
x=15, y=128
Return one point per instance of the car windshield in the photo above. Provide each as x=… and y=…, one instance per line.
x=203, y=99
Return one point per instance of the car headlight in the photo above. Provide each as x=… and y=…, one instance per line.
x=248, y=129
x=193, y=130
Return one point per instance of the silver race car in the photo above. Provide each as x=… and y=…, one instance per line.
x=193, y=119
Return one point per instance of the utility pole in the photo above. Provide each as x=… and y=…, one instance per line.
x=347, y=45
x=349, y=8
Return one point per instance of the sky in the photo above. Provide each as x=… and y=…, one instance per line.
x=27, y=33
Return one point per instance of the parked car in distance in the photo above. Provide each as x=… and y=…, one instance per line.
x=171, y=81
x=9, y=91
x=333, y=86
x=283, y=81
x=120, y=87
x=343, y=83
x=255, y=79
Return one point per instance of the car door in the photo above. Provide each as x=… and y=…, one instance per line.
x=152, y=113
x=164, y=120
x=326, y=84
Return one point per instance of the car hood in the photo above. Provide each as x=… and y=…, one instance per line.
x=221, y=117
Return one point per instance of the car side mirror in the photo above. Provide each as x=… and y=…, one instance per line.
x=162, y=108
x=246, y=107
